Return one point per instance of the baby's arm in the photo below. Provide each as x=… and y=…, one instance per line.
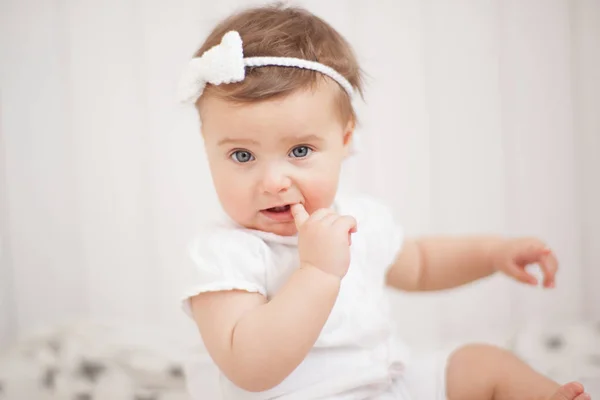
x=437, y=263
x=257, y=343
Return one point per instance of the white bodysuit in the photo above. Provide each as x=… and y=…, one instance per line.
x=356, y=356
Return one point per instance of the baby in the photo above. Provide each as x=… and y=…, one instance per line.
x=289, y=290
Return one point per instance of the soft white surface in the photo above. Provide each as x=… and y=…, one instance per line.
x=103, y=360
x=141, y=357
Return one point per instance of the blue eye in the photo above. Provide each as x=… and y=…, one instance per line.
x=242, y=156
x=300, y=152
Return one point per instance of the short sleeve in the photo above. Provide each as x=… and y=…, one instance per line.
x=383, y=235
x=226, y=259
x=390, y=235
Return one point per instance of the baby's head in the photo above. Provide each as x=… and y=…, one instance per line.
x=279, y=134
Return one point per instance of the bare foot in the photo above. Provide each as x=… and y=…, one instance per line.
x=571, y=391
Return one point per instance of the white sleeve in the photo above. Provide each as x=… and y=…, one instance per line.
x=385, y=236
x=226, y=259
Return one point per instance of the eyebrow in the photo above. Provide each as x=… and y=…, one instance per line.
x=236, y=141
x=303, y=138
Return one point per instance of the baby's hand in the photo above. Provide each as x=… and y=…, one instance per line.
x=515, y=254
x=324, y=239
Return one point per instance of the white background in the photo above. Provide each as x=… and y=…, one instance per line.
x=480, y=116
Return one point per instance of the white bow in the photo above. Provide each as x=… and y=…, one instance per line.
x=223, y=63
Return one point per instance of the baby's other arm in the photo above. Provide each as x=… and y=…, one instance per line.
x=256, y=343
x=437, y=263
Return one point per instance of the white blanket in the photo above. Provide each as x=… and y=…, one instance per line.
x=93, y=361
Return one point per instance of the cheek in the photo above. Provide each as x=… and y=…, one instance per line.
x=319, y=189
x=231, y=189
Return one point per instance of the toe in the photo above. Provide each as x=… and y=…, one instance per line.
x=583, y=396
x=570, y=391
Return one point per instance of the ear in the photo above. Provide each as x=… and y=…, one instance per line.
x=349, y=137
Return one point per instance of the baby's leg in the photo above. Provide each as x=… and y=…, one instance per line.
x=478, y=372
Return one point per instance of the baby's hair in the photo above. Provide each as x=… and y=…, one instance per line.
x=282, y=31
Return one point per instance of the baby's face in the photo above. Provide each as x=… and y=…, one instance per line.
x=268, y=155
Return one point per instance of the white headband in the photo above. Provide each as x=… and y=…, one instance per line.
x=225, y=63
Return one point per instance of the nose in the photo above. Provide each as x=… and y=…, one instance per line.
x=275, y=179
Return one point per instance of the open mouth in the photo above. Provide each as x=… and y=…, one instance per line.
x=280, y=209
x=279, y=214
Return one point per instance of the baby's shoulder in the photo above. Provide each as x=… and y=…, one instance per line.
x=226, y=258
x=221, y=242
x=378, y=235
x=366, y=209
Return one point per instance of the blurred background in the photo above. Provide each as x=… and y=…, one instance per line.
x=481, y=116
